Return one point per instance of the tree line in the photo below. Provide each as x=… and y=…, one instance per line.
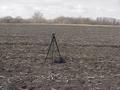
x=39, y=18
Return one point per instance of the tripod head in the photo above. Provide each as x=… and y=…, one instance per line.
x=53, y=34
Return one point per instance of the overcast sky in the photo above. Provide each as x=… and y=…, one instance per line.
x=55, y=8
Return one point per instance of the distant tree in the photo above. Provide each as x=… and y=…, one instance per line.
x=18, y=19
x=107, y=21
x=38, y=17
x=7, y=19
x=59, y=20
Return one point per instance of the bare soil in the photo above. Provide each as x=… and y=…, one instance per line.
x=92, y=57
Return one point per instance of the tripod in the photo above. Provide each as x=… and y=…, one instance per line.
x=52, y=49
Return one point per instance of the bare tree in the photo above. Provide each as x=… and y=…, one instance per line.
x=38, y=17
x=18, y=19
x=7, y=19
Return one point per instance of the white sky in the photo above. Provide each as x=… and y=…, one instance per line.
x=55, y=8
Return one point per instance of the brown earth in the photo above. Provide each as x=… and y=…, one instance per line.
x=92, y=57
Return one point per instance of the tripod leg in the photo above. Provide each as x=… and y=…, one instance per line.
x=57, y=47
x=53, y=51
x=48, y=50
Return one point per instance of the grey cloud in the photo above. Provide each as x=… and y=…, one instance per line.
x=54, y=8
